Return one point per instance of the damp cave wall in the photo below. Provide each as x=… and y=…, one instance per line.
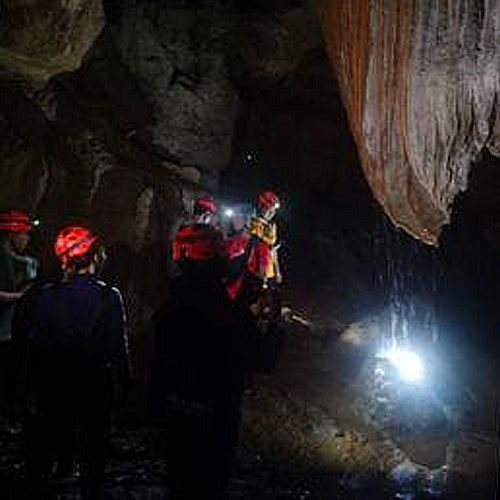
x=420, y=84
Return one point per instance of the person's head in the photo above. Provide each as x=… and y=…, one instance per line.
x=79, y=251
x=15, y=229
x=267, y=204
x=204, y=210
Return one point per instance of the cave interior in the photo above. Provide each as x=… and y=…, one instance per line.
x=172, y=100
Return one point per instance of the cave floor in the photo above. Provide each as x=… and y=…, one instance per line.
x=136, y=470
x=300, y=439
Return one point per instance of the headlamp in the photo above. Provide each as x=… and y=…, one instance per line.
x=408, y=363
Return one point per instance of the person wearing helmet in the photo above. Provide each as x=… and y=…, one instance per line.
x=259, y=250
x=264, y=261
x=76, y=343
x=198, y=247
x=197, y=374
x=17, y=271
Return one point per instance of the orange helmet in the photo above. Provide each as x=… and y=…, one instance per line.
x=73, y=242
x=268, y=199
x=15, y=220
x=205, y=204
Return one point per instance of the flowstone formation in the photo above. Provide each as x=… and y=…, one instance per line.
x=420, y=82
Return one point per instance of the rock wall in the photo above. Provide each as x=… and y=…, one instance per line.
x=124, y=143
x=420, y=82
x=178, y=55
x=41, y=38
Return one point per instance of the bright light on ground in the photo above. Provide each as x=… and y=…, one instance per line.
x=229, y=212
x=407, y=362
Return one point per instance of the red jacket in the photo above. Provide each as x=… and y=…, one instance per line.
x=198, y=242
x=253, y=255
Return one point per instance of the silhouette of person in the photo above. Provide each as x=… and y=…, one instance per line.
x=71, y=337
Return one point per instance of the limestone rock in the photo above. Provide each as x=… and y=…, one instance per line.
x=178, y=57
x=41, y=38
x=420, y=82
x=270, y=47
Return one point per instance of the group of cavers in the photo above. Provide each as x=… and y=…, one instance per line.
x=64, y=349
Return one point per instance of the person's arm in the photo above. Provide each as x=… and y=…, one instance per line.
x=236, y=244
x=7, y=297
x=14, y=296
x=277, y=267
x=118, y=336
x=177, y=246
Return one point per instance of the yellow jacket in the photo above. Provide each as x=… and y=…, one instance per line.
x=267, y=233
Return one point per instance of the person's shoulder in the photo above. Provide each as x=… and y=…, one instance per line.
x=186, y=228
x=106, y=293
x=47, y=285
x=188, y=231
x=206, y=229
x=115, y=292
x=107, y=288
x=200, y=230
x=100, y=283
x=104, y=285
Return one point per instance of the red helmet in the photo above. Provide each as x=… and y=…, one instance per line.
x=205, y=204
x=268, y=199
x=15, y=220
x=73, y=242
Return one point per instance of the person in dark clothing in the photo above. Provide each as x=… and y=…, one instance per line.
x=17, y=273
x=72, y=340
x=197, y=377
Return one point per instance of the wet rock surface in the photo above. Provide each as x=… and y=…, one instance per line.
x=420, y=84
x=343, y=420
